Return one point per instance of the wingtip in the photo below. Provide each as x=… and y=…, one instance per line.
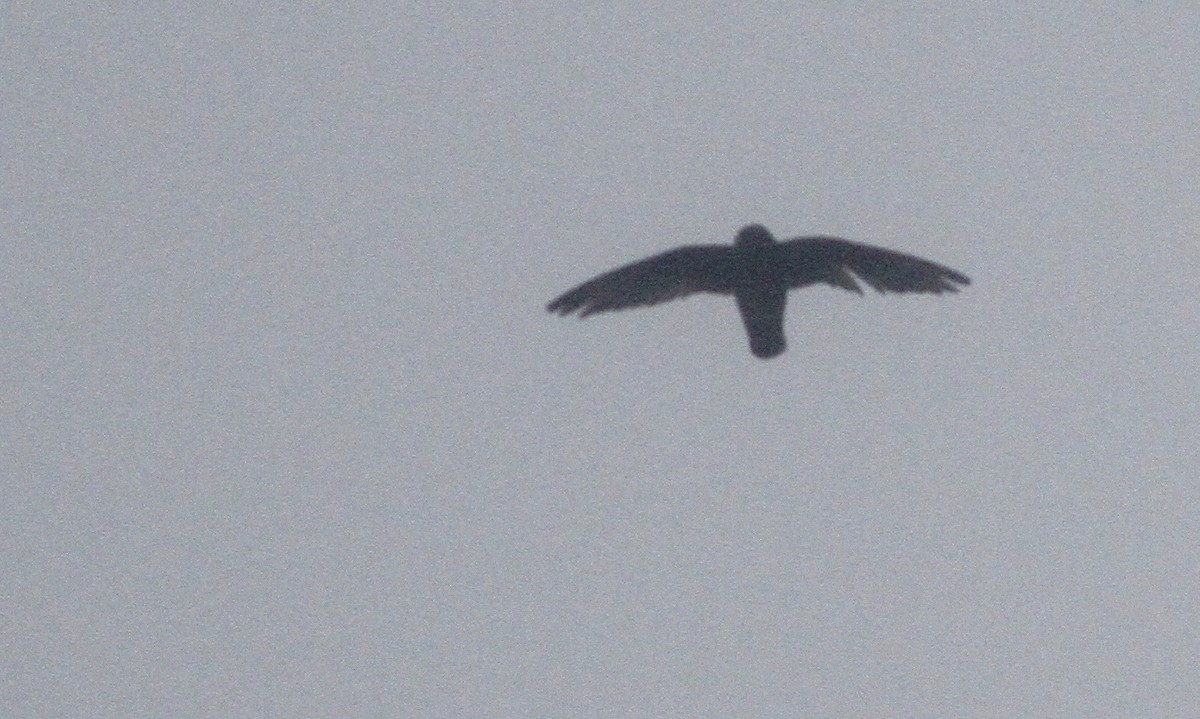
x=562, y=305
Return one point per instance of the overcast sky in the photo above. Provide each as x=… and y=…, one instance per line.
x=287, y=430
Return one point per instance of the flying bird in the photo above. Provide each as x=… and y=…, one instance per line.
x=758, y=271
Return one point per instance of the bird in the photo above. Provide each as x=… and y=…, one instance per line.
x=758, y=271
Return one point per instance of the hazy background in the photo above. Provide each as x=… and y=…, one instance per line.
x=287, y=431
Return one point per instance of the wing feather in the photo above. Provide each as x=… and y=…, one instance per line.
x=808, y=260
x=667, y=276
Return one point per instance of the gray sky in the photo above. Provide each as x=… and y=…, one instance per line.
x=288, y=432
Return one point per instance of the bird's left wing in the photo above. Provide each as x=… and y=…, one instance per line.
x=808, y=260
x=670, y=275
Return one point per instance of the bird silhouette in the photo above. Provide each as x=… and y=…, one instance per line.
x=758, y=271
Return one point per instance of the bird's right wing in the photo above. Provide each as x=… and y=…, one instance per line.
x=808, y=260
x=670, y=275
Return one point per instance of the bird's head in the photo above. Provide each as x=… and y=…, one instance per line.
x=754, y=236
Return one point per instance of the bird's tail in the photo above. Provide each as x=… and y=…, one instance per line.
x=762, y=314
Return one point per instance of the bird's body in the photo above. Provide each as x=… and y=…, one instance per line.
x=758, y=271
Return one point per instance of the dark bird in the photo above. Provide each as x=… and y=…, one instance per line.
x=758, y=271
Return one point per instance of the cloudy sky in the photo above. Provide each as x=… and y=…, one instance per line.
x=287, y=430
